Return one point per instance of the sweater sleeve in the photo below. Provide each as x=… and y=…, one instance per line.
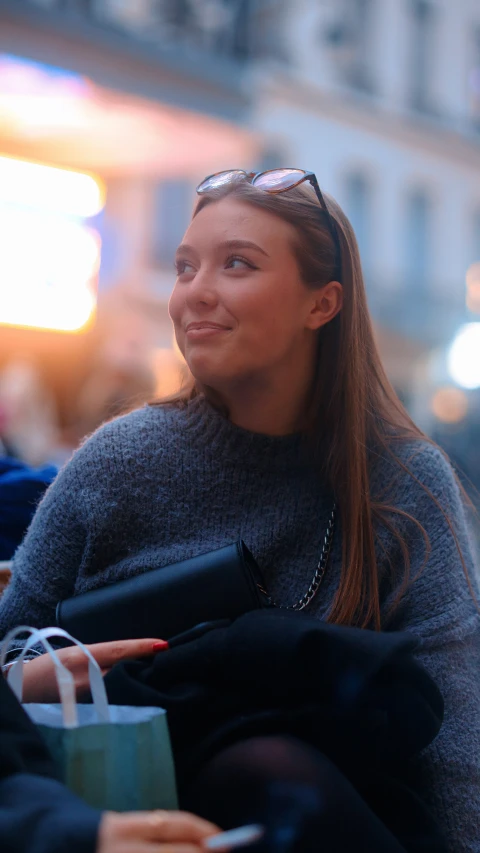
x=46, y=563
x=440, y=610
x=39, y=815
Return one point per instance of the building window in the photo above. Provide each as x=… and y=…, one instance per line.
x=476, y=235
x=473, y=271
x=350, y=40
x=358, y=204
x=241, y=28
x=421, y=54
x=474, y=79
x=417, y=249
x=172, y=207
x=271, y=157
x=362, y=13
x=267, y=32
x=131, y=14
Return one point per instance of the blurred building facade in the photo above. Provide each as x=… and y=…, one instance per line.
x=146, y=96
x=381, y=98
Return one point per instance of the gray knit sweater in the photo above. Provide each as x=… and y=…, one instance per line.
x=163, y=484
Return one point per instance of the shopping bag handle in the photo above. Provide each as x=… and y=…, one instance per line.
x=9, y=638
x=65, y=681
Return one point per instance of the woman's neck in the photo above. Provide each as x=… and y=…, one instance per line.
x=267, y=410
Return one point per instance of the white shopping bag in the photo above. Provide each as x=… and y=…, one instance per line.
x=115, y=757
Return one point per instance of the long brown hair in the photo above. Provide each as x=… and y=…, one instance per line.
x=354, y=408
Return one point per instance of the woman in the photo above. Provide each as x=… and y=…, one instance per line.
x=290, y=418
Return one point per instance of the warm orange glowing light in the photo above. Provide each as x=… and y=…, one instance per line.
x=49, y=258
x=47, y=271
x=169, y=371
x=50, y=189
x=473, y=288
x=449, y=405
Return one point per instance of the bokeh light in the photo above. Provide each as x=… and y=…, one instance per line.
x=449, y=405
x=50, y=285
x=49, y=188
x=464, y=357
x=473, y=288
x=50, y=257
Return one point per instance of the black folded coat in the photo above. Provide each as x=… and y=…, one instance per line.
x=359, y=697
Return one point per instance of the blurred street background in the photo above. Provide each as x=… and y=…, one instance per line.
x=111, y=111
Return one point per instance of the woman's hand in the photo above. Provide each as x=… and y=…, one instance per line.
x=153, y=832
x=40, y=684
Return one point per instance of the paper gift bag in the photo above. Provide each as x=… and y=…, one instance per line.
x=115, y=757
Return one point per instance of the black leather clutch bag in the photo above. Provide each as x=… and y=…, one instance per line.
x=222, y=584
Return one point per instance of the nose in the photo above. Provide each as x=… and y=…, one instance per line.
x=201, y=290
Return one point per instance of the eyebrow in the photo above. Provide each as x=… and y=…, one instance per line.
x=228, y=244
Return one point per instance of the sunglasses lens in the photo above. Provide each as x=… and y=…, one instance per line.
x=220, y=179
x=278, y=179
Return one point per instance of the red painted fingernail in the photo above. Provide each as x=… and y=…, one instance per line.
x=161, y=646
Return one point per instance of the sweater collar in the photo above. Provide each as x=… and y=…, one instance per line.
x=208, y=427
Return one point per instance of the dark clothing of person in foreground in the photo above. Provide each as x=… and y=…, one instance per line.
x=37, y=813
x=309, y=728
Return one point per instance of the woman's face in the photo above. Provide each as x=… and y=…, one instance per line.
x=240, y=309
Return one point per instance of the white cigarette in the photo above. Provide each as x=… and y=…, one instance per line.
x=240, y=837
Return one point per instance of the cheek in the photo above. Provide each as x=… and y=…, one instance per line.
x=268, y=317
x=175, y=311
x=174, y=306
x=253, y=306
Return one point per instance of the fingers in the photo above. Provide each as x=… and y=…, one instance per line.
x=147, y=847
x=166, y=826
x=152, y=832
x=153, y=847
x=40, y=683
x=183, y=826
x=108, y=654
x=174, y=848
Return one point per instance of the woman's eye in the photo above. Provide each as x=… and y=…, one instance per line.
x=239, y=263
x=183, y=267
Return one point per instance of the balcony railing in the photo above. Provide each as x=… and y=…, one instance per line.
x=430, y=317
x=236, y=29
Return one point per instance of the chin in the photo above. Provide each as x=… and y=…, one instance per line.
x=211, y=380
x=206, y=373
x=217, y=377
x=215, y=369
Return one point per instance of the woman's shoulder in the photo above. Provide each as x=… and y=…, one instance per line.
x=408, y=470
x=125, y=442
x=423, y=503
x=427, y=497
x=149, y=422
x=422, y=456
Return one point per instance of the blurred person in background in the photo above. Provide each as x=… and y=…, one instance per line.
x=120, y=377
x=109, y=391
x=28, y=439
x=28, y=418
x=289, y=418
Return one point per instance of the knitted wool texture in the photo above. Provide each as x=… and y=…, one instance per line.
x=163, y=484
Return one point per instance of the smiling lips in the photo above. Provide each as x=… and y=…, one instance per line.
x=204, y=329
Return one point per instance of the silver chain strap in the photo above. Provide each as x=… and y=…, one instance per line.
x=317, y=579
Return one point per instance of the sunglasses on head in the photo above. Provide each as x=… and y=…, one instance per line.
x=273, y=181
